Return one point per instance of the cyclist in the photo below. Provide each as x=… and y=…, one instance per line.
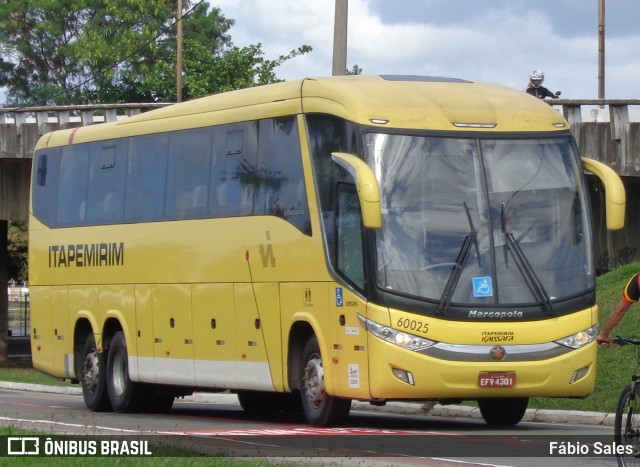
x=630, y=295
x=535, y=87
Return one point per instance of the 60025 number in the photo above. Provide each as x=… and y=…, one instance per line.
x=413, y=325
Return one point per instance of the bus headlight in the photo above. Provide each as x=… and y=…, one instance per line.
x=393, y=336
x=580, y=339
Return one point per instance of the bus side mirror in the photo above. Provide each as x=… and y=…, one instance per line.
x=615, y=197
x=366, y=186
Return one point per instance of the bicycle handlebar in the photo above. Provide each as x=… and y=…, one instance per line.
x=625, y=341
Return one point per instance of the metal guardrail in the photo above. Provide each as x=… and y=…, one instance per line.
x=19, y=311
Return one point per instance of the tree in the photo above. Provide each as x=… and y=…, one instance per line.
x=17, y=248
x=355, y=70
x=37, y=39
x=86, y=51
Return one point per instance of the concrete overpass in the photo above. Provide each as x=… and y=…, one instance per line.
x=20, y=130
x=607, y=130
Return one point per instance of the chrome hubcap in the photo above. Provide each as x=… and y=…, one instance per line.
x=118, y=374
x=314, y=381
x=91, y=372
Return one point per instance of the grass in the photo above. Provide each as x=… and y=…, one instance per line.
x=615, y=364
x=21, y=371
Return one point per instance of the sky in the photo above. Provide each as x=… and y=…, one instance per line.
x=500, y=41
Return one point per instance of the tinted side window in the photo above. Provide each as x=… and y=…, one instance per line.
x=220, y=171
x=282, y=190
x=44, y=186
x=188, y=176
x=107, y=173
x=72, y=191
x=234, y=172
x=146, y=178
x=329, y=134
x=349, y=249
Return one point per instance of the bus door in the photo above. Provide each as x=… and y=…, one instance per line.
x=349, y=260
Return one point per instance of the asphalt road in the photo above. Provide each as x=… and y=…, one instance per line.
x=398, y=435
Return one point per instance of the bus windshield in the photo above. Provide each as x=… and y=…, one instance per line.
x=481, y=221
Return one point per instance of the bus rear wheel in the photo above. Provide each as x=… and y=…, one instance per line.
x=503, y=411
x=93, y=376
x=320, y=408
x=125, y=395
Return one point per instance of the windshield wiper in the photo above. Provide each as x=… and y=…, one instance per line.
x=473, y=232
x=530, y=276
x=456, y=272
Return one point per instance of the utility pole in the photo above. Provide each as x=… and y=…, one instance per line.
x=179, y=54
x=601, y=49
x=340, y=38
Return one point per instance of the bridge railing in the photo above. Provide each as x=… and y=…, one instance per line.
x=88, y=114
x=616, y=111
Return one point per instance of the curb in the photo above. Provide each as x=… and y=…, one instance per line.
x=572, y=417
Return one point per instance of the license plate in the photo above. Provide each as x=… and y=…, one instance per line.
x=497, y=380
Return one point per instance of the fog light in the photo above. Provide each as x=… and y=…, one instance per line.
x=578, y=374
x=403, y=375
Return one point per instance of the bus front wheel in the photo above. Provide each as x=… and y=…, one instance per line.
x=503, y=411
x=93, y=372
x=125, y=395
x=320, y=408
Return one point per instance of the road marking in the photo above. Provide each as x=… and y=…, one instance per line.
x=304, y=431
x=70, y=425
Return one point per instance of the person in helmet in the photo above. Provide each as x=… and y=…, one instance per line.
x=535, y=87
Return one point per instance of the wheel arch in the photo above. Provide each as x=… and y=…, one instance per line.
x=83, y=328
x=85, y=324
x=299, y=334
x=111, y=326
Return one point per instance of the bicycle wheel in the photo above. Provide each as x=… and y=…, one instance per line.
x=627, y=426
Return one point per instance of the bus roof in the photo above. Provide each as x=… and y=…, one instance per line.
x=408, y=102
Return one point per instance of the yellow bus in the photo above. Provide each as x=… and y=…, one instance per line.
x=309, y=243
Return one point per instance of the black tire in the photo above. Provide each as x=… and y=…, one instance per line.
x=503, y=411
x=259, y=402
x=626, y=427
x=320, y=408
x=125, y=396
x=92, y=375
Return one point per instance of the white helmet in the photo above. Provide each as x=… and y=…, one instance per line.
x=536, y=77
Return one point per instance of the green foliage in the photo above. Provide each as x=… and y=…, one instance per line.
x=355, y=70
x=18, y=251
x=106, y=51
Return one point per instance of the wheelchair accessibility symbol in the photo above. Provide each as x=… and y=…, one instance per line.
x=482, y=286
